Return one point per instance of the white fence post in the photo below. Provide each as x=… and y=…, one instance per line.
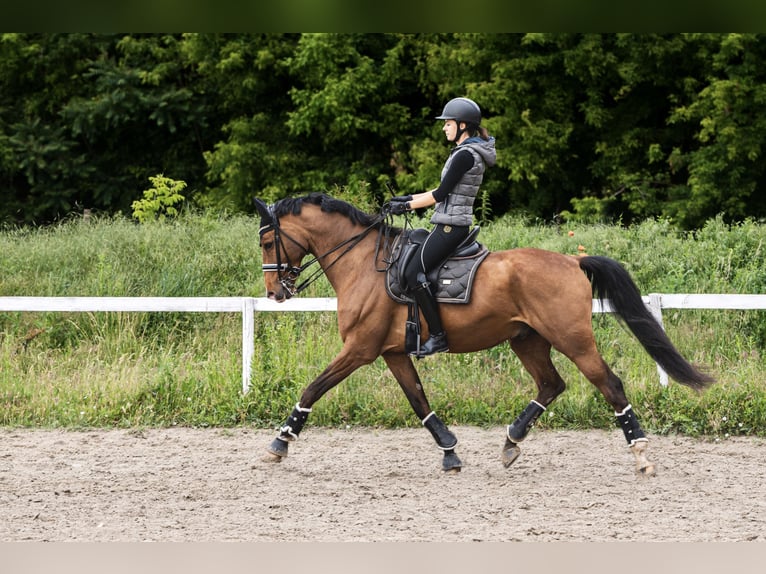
x=655, y=306
x=248, y=341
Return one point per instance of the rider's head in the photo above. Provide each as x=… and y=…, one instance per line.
x=466, y=114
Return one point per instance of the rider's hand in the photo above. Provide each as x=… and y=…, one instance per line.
x=401, y=198
x=398, y=207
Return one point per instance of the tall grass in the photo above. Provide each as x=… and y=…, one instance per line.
x=78, y=370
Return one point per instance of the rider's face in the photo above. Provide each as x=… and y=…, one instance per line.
x=450, y=130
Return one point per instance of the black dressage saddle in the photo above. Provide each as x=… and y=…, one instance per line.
x=451, y=281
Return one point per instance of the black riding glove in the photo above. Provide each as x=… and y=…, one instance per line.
x=401, y=198
x=398, y=208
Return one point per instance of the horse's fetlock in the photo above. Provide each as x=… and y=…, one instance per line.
x=294, y=424
x=630, y=427
x=519, y=429
x=444, y=438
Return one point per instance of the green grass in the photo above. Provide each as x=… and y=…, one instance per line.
x=81, y=370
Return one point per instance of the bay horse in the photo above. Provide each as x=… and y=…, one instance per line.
x=535, y=299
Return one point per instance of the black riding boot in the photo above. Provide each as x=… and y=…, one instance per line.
x=437, y=340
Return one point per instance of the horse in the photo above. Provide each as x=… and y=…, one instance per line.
x=535, y=299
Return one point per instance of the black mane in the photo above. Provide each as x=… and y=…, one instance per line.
x=328, y=204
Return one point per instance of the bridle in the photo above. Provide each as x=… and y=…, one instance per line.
x=287, y=273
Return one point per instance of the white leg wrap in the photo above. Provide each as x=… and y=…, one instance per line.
x=625, y=410
x=288, y=429
x=630, y=426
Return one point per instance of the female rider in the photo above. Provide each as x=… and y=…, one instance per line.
x=453, y=215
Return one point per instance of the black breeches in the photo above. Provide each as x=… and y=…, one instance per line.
x=438, y=246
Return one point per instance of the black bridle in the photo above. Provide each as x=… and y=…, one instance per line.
x=287, y=273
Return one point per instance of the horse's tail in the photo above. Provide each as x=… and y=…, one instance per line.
x=611, y=281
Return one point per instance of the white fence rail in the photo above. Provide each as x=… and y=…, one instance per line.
x=248, y=306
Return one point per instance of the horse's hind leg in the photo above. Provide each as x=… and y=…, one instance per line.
x=598, y=372
x=535, y=354
x=404, y=371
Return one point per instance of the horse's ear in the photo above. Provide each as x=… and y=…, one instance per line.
x=263, y=211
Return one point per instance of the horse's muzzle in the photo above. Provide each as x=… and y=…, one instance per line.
x=279, y=296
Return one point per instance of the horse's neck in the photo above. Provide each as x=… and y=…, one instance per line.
x=344, y=263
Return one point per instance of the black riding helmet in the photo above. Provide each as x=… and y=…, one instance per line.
x=462, y=110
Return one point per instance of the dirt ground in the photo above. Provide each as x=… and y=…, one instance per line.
x=374, y=485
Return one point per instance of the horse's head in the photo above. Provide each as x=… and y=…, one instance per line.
x=316, y=224
x=281, y=255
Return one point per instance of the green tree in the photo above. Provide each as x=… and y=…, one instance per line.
x=724, y=160
x=248, y=77
x=42, y=166
x=613, y=126
x=141, y=115
x=85, y=119
x=356, y=107
x=160, y=200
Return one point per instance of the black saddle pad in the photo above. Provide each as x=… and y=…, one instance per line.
x=452, y=281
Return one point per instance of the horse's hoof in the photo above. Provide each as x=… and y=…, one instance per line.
x=511, y=452
x=271, y=457
x=644, y=466
x=451, y=463
x=648, y=470
x=277, y=450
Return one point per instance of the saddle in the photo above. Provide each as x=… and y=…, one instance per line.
x=451, y=281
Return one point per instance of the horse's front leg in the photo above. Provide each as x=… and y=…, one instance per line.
x=341, y=367
x=534, y=353
x=404, y=371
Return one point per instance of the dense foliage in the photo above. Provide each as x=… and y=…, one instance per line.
x=589, y=126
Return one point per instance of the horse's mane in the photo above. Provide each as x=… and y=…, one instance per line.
x=328, y=204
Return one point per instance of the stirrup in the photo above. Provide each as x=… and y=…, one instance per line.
x=435, y=344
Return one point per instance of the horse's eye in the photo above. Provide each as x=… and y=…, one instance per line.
x=268, y=245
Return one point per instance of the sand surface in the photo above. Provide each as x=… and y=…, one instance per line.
x=185, y=484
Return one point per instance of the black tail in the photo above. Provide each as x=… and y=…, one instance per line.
x=611, y=281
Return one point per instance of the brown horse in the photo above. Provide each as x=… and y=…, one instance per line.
x=535, y=299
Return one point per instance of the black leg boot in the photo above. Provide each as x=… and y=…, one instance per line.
x=437, y=339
